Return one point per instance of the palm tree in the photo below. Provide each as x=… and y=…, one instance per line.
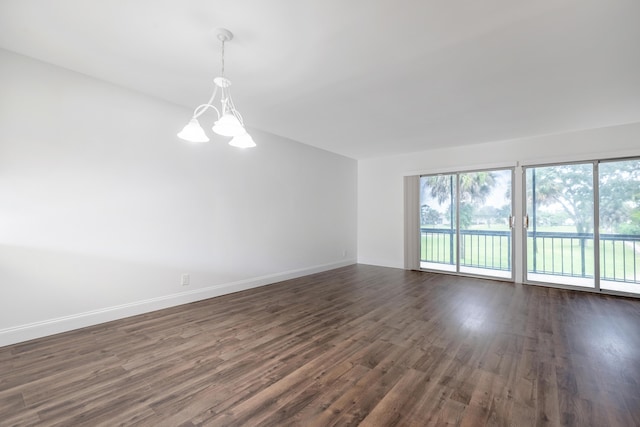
x=475, y=187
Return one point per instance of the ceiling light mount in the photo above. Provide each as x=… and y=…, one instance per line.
x=229, y=121
x=224, y=35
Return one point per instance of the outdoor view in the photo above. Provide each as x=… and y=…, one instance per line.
x=484, y=215
x=560, y=236
x=620, y=225
x=561, y=213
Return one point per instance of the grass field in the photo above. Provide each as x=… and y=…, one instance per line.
x=556, y=256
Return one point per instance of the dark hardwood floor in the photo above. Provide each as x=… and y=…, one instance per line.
x=360, y=345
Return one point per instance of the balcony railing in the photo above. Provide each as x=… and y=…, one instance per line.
x=571, y=254
x=554, y=253
x=479, y=248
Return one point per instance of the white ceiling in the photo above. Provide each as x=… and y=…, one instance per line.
x=362, y=78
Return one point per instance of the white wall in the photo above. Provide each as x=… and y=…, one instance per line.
x=380, y=180
x=102, y=207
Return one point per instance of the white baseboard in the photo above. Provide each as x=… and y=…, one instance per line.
x=21, y=333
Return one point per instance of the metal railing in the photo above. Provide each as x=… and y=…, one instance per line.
x=571, y=254
x=478, y=248
x=555, y=253
x=559, y=253
x=616, y=249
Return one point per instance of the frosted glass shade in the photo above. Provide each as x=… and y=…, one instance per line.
x=228, y=125
x=242, y=141
x=193, y=132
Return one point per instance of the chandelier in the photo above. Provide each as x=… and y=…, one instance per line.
x=229, y=121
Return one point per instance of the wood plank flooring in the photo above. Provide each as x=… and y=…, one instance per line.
x=360, y=345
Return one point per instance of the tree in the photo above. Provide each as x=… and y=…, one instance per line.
x=475, y=187
x=571, y=187
x=620, y=196
x=504, y=212
x=428, y=215
x=488, y=214
x=633, y=225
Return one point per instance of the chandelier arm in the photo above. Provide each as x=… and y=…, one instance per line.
x=233, y=108
x=197, y=113
x=238, y=116
x=200, y=109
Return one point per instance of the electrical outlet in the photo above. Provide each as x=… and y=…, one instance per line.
x=184, y=281
x=344, y=253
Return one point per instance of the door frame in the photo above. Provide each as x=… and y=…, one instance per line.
x=524, y=229
x=512, y=251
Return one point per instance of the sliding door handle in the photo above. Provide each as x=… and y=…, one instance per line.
x=525, y=221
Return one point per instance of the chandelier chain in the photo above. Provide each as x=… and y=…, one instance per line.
x=222, y=75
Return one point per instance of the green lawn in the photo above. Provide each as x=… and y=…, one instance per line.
x=486, y=252
x=552, y=256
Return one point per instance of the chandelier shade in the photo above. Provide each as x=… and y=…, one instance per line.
x=229, y=122
x=193, y=132
x=242, y=141
x=228, y=125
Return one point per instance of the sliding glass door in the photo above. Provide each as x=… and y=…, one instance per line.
x=560, y=223
x=619, y=225
x=465, y=223
x=438, y=222
x=583, y=225
x=580, y=225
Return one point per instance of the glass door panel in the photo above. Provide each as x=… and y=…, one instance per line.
x=619, y=220
x=485, y=223
x=465, y=223
x=438, y=222
x=559, y=223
